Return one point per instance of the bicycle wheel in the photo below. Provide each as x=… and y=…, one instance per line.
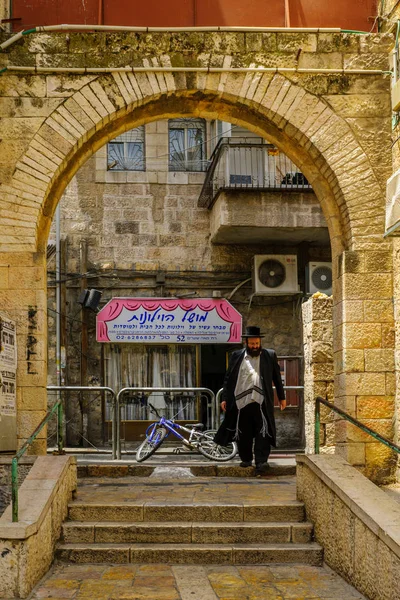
x=213, y=451
x=153, y=440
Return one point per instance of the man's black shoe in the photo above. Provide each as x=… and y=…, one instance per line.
x=261, y=468
x=245, y=464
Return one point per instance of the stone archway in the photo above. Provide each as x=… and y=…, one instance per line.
x=74, y=115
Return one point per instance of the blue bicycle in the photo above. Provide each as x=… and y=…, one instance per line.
x=203, y=441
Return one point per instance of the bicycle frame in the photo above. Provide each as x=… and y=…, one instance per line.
x=172, y=427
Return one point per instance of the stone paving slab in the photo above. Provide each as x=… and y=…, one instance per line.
x=165, y=582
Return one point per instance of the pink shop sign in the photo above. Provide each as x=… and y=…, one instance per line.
x=169, y=321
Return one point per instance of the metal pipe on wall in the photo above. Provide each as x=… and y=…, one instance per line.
x=152, y=69
x=101, y=12
x=58, y=303
x=287, y=14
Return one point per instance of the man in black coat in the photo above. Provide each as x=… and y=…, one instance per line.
x=248, y=401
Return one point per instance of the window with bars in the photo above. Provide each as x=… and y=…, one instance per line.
x=127, y=151
x=187, y=139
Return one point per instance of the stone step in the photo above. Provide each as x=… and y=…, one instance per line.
x=244, y=554
x=187, y=532
x=200, y=469
x=162, y=511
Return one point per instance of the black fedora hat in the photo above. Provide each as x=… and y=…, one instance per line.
x=252, y=331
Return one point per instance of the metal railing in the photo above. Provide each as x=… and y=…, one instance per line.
x=352, y=420
x=94, y=388
x=239, y=164
x=150, y=390
x=14, y=463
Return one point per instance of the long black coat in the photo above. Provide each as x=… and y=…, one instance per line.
x=269, y=373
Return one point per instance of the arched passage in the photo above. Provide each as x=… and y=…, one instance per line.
x=302, y=124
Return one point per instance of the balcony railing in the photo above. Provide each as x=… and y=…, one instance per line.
x=247, y=164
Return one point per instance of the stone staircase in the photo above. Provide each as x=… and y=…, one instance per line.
x=200, y=521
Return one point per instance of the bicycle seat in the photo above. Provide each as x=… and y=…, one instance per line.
x=195, y=425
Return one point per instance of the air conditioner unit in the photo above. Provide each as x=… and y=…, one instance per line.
x=319, y=278
x=275, y=274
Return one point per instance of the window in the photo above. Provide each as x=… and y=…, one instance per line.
x=131, y=365
x=187, y=145
x=126, y=152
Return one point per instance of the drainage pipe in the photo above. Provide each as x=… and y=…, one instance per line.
x=58, y=308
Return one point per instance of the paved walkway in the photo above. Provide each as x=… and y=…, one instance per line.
x=164, y=582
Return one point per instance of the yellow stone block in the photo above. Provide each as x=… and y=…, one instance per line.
x=366, y=286
x=338, y=337
x=378, y=261
x=32, y=398
x=349, y=361
x=346, y=403
x=353, y=452
x=26, y=278
x=363, y=384
x=390, y=384
x=345, y=431
x=32, y=373
x=3, y=277
x=375, y=407
x=379, y=359
x=349, y=311
x=322, y=371
x=378, y=310
x=17, y=299
x=388, y=336
x=27, y=421
x=363, y=335
x=380, y=463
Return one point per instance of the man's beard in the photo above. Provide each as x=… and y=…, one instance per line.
x=253, y=352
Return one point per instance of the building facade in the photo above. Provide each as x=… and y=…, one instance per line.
x=136, y=222
x=322, y=98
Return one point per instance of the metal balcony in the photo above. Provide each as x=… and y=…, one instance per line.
x=248, y=164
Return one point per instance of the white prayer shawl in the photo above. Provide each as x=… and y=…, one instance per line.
x=249, y=389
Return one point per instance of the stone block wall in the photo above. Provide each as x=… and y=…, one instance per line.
x=137, y=223
x=27, y=546
x=356, y=523
x=335, y=126
x=318, y=370
x=24, y=466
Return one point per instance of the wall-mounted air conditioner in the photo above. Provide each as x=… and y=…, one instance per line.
x=319, y=278
x=275, y=274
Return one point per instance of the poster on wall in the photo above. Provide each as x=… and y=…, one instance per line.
x=169, y=321
x=8, y=393
x=8, y=343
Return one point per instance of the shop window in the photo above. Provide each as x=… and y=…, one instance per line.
x=187, y=140
x=127, y=151
x=128, y=365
